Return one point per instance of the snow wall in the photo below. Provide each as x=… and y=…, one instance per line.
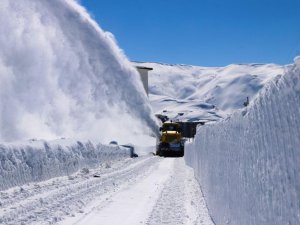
x=61, y=75
x=248, y=165
x=34, y=161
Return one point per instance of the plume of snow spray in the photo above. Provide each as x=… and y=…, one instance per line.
x=62, y=75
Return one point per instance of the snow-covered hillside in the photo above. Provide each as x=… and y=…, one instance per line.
x=205, y=93
x=61, y=75
x=248, y=165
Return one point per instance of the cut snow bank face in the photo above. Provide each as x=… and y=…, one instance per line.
x=62, y=76
x=205, y=93
x=248, y=165
x=33, y=161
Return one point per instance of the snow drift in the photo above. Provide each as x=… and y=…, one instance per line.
x=248, y=165
x=205, y=93
x=62, y=76
x=33, y=161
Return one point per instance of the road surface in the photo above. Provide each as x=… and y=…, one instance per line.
x=147, y=190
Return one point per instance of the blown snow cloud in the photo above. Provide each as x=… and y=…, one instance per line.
x=62, y=75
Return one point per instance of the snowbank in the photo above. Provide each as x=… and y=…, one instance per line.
x=61, y=75
x=33, y=161
x=248, y=165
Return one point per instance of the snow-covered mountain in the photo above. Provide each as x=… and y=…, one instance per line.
x=61, y=75
x=205, y=93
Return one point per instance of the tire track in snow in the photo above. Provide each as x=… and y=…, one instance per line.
x=133, y=204
x=147, y=190
x=63, y=197
x=181, y=201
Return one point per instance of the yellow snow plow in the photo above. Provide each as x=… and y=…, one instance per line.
x=171, y=142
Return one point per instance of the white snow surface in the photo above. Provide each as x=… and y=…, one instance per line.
x=248, y=165
x=205, y=93
x=61, y=75
x=32, y=161
x=145, y=190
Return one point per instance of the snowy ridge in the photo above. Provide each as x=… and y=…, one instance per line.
x=33, y=161
x=248, y=165
x=205, y=93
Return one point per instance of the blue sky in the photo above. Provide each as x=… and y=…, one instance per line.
x=202, y=32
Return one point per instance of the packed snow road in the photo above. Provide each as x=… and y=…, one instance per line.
x=146, y=190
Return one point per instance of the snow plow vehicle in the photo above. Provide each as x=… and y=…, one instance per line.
x=171, y=142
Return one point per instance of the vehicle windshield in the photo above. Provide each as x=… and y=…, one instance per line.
x=171, y=127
